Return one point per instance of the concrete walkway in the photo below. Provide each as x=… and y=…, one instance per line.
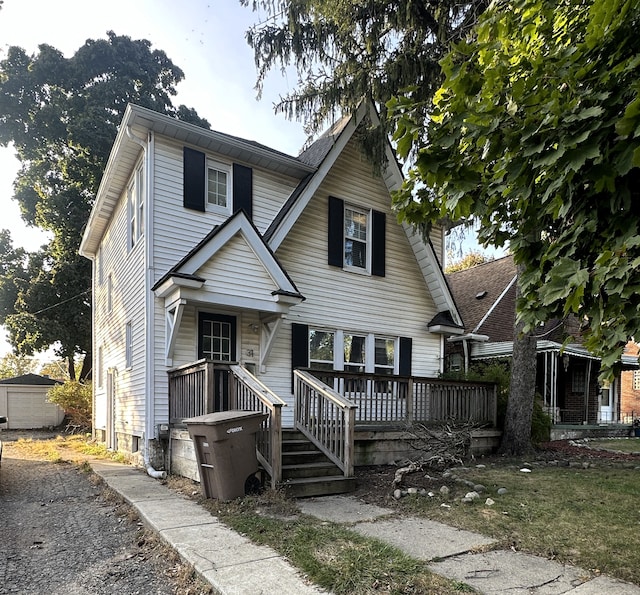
x=233, y=565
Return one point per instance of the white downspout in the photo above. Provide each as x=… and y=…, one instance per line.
x=149, y=413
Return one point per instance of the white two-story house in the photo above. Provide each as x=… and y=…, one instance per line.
x=221, y=266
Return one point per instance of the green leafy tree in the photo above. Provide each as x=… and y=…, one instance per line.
x=470, y=259
x=59, y=369
x=536, y=132
x=61, y=116
x=346, y=50
x=12, y=365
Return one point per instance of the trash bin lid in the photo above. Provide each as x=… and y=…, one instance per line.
x=223, y=417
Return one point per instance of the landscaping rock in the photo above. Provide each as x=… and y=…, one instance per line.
x=502, y=491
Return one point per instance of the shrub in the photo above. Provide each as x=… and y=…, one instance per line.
x=540, y=422
x=76, y=399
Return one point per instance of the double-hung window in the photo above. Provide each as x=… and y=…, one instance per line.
x=218, y=189
x=135, y=206
x=337, y=349
x=321, y=353
x=214, y=186
x=356, y=238
x=355, y=353
x=385, y=355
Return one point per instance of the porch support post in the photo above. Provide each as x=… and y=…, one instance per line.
x=410, y=401
x=275, y=425
x=209, y=386
x=173, y=317
x=587, y=387
x=268, y=333
x=349, y=445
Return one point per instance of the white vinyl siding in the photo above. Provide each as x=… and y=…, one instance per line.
x=125, y=292
x=269, y=194
x=396, y=305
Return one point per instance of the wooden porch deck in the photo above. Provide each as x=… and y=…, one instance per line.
x=329, y=408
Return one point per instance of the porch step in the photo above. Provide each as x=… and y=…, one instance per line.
x=307, y=471
x=301, y=470
x=306, y=487
x=301, y=457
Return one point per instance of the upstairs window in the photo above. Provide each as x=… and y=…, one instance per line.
x=218, y=187
x=210, y=185
x=135, y=207
x=356, y=238
x=356, y=234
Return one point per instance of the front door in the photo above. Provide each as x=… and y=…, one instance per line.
x=217, y=342
x=606, y=404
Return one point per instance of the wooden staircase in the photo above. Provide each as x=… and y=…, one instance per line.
x=307, y=471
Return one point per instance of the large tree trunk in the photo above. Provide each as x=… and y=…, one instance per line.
x=86, y=374
x=516, y=438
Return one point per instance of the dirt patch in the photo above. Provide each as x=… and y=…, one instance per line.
x=374, y=484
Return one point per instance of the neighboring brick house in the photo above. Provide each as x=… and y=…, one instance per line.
x=630, y=384
x=567, y=378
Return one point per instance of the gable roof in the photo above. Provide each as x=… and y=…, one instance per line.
x=323, y=154
x=222, y=235
x=310, y=167
x=30, y=380
x=485, y=295
x=137, y=123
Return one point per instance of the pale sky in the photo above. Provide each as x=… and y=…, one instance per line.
x=206, y=39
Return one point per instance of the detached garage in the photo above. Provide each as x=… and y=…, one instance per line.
x=23, y=400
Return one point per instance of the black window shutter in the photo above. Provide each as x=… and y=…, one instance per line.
x=299, y=349
x=404, y=368
x=243, y=189
x=336, y=232
x=299, y=346
x=379, y=244
x=194, y=173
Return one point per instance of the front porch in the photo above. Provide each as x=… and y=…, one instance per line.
x=341, y=419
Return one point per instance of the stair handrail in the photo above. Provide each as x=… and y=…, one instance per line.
x=327, y=418
x=249, y=393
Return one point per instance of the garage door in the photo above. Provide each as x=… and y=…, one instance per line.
x=27, y=408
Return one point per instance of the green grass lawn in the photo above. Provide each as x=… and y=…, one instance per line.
x=587, y=517
x=619, y=444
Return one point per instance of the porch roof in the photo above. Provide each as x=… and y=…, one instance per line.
x=486, y=350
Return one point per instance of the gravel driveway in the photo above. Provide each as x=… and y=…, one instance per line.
x=62, y=532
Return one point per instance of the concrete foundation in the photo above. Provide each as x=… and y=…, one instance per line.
x=372, y=447
x=559, y=432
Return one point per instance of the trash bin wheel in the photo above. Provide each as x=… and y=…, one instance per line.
x=252, y=485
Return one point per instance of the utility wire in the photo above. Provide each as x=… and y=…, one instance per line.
x=60, y=303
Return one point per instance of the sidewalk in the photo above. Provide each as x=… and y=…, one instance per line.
x=233, y=565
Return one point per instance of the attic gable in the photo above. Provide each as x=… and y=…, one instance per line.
x=324, y=154
x=232, y=255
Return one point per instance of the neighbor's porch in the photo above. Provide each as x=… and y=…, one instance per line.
x=347, y=418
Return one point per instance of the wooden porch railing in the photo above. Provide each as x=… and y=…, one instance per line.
x=398, y=400
x=326, y=418
x=206, y=387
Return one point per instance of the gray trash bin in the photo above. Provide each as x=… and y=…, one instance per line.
x=225, y=445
